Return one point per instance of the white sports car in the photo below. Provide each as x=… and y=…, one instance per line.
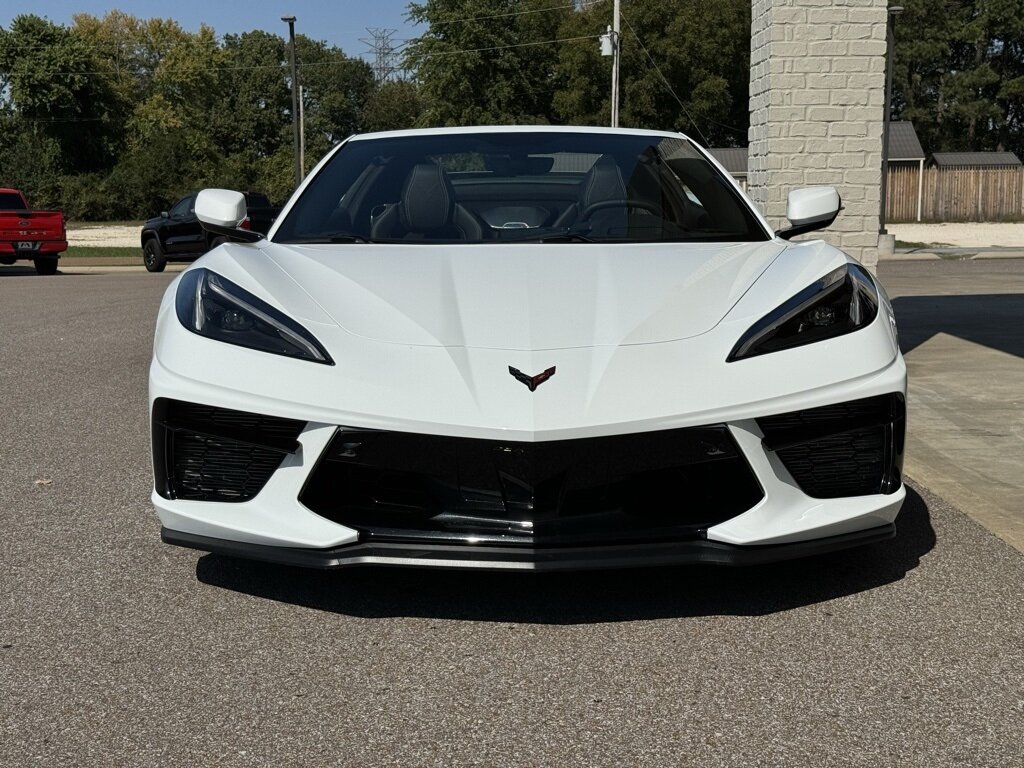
x=525, y=348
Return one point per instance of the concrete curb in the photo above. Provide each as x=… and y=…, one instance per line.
x=955, y=254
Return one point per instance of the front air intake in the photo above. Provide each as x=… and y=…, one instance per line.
x=203, y=453
x=847, y=449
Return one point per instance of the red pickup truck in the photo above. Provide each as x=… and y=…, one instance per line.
x=28, y=234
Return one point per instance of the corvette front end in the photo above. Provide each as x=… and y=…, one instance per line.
x=526, y=405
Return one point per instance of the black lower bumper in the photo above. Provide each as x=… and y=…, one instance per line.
x=530, y=559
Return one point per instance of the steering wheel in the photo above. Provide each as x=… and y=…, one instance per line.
x=626, y=202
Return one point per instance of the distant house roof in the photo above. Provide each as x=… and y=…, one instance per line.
x=733, y=159
x=903, y=142
x=977, y=159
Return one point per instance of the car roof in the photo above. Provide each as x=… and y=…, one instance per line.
x=516, y=129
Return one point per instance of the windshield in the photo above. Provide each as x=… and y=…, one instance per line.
x=507, y=187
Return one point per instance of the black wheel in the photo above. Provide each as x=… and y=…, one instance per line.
x=217, y=241
x=153, y=257
x=45, y=266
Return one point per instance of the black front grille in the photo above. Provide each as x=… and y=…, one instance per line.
x=202, y=453
x=846, y=449
x=666, y=485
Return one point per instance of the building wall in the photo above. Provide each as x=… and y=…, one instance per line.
x=817, y=95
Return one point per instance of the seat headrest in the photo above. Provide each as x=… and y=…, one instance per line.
x=427, y=199
x=602, y=182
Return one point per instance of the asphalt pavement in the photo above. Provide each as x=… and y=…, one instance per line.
x=118, y=650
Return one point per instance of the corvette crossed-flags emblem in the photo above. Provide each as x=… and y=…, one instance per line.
x=532, y=381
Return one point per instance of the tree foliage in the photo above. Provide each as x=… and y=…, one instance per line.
x=958, y=73
x=116, y=116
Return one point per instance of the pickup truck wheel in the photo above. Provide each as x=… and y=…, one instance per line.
x=153, y=257
x=45, y=266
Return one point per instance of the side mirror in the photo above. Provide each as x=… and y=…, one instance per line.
x=810, y=208
x=163, y=214
x=222, y=211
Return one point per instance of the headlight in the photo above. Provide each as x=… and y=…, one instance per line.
x=843, y=301
x=214, y=307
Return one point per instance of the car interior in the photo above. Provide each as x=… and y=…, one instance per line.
x=477, y=196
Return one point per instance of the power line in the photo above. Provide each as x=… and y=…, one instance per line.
x=734, y=129
x=665, y=80
x=503, y=47
x=581, y=4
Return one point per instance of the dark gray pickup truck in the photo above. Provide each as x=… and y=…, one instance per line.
x=177, y=235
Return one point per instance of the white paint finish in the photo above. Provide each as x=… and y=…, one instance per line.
x=222, y=207
x=808, y=205
x=423, y=335
x=527, y=296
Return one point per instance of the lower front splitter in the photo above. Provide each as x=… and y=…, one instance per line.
x=698, y=551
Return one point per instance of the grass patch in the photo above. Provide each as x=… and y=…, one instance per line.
x=93, y=224
x=102, y=256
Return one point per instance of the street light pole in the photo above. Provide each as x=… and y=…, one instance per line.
x=290, y=20
x=890, y=36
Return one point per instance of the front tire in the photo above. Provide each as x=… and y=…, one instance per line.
x=153, y=257
x=45, y=266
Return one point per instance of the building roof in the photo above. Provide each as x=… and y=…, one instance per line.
x=733, y=159
x=903, y=142
x=977, y=159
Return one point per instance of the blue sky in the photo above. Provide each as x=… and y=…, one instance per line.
x=341, y=22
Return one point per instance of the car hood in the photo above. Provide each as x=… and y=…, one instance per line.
x=525, y=296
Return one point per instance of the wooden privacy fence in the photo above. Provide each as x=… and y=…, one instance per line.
x=955, y=194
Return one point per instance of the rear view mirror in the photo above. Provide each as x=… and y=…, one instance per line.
x=810, y=208
x=222, y=211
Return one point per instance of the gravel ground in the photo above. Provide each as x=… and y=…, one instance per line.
x=961, y=234
x=116, y=650
x=105, y=235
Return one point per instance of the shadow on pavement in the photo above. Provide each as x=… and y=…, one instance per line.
x=585, y=597
x=992, y=320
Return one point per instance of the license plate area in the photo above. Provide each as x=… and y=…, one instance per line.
x=27, y=245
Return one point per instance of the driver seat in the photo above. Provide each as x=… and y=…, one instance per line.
x=426, y=210
x=602, y=183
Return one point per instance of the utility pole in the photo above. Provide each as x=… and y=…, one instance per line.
x=290, y=21
x=616, y=47
x=610, y=47
x=302, y=131
x=890, y=29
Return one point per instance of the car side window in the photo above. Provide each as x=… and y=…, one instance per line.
x=183, y=207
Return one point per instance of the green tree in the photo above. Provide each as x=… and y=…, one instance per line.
x=958, y=73
x=50, y=75
x=486, y=61
x=393, y=105
x=696, y=51
x=335, y=87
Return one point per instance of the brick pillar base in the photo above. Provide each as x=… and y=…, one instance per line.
x=817, y=95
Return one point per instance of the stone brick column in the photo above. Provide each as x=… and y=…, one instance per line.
x=817, y=94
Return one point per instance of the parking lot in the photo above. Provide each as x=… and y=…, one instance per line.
x=118, y=650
